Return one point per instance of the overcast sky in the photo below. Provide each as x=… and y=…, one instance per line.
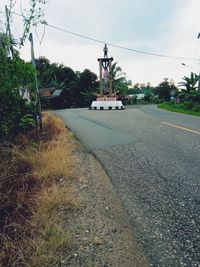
x=168, y=27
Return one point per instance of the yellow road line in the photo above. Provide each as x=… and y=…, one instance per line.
x=181, y=128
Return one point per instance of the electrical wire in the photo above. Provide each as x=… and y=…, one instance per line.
x=111, y=44
x=43, y=35
x=118, y=46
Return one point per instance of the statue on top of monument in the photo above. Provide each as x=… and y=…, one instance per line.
x=105, y=50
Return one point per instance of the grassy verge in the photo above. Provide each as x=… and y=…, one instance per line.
x=177, y=108
x=32, y=197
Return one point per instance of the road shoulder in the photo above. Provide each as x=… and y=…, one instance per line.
x=101, y=234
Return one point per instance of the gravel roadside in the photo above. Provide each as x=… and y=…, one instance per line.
x=100, y=233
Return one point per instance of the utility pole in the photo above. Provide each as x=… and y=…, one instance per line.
x=38, y=115
x=199, y=71
x=8, y=31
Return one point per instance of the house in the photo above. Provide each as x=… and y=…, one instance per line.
x=58, y=100
x=139, y=96
x=47, y=92
x=45, y=96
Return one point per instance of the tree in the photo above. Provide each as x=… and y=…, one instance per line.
x=45, y=72
x=119, y=82
x=87, y=81
x=78, y=88
x=15, y=75
x=86, y=87
x=6, y=43
x=190, y=82
x=164, y=89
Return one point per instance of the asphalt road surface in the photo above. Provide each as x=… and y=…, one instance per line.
x=152, y=157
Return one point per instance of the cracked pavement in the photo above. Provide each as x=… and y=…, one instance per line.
x=155, y=170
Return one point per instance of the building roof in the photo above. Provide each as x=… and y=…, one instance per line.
x=57, y=93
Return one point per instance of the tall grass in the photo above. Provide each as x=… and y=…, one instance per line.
x=32, y=199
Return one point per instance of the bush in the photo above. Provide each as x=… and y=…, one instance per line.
x=158, y=101
x=188, y=104
x=15, y=75
x=196, y=108
x=196, y=97
x=15, y=114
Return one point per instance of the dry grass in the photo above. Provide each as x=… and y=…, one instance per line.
x=45, y=248
x=53, y=162
x=32, y=199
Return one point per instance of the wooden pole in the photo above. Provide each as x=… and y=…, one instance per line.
x=100, y=77
x=38, y=115
x=110, y=76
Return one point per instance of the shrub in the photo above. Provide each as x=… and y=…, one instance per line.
x=188, y=104
x=14, y=75
x=196, y=108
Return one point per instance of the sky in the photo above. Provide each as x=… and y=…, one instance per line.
x=167, y=27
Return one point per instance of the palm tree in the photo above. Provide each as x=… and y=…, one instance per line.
x=118, y=79
x=190, y=82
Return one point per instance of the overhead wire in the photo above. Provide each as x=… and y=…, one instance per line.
x=118, y=46
x=111, y=44
x=40, y=40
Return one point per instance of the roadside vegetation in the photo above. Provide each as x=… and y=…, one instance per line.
x=74, y=88
x=184, y=98
x=33, y=167
x=180, y=108
x=34, y=196
x=36, y=166
x=187, y=99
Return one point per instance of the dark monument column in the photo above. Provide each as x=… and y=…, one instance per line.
x=100, y=77
x=110, y=77
x=107, y=99
x=105, y=64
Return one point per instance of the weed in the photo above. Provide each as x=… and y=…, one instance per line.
x=31, y=198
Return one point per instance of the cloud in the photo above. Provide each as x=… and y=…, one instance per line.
x=165, y=27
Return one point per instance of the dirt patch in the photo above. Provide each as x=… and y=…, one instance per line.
x=101, y=235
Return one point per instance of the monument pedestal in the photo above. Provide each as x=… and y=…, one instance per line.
x=107, y=103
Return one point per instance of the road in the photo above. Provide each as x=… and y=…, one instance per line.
x=152, y=157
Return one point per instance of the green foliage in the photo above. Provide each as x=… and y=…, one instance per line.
x=135, y=91
x=45, y=72
x=149, y=98
x=193, y=96
x=120, y=85
x=31, y=16
x=15, y=76
x=189, y=82
x=196, y=108
x=78, y=88
x=164, y=89
x=186, y=107
x=187, y=101
x=27, y=122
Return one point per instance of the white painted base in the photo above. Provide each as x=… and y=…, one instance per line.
x=107, y=105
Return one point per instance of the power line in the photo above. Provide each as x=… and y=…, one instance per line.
x=113, y=45
x=118, y=46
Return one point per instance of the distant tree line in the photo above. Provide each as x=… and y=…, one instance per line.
x=184, y=96
x=78, y=88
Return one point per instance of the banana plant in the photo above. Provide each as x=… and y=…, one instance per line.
x=190, y=82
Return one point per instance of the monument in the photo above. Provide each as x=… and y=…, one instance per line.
x=107, y=98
